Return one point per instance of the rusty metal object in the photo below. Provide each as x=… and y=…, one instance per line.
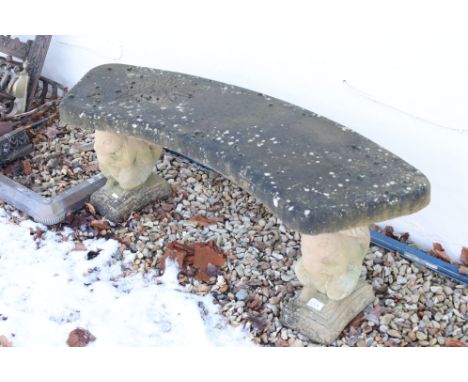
x=24, y=94
x=22, y=88
x=28, y=100
x=14, y=145
x=32, y=52
x=52, y=210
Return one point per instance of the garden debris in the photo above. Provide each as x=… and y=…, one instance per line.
x=27, y=169
x=80, y=337
x=438, y=252
x=199, y=255
x=389, y=232
x=90, y=208
x=203, y=221
x=453, y=342
x=99, y=224
x=464, y=256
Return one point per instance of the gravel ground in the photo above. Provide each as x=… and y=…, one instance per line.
x=61, y=157
x=413, y=307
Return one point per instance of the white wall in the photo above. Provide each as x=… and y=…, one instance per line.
x=405, y=70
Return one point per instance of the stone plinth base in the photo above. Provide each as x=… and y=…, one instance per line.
x=322, y=319
x=116, y=204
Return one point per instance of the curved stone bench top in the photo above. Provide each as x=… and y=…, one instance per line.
x=314, y=174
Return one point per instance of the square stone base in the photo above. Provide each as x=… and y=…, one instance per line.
x=321, y=319
x=116, y=204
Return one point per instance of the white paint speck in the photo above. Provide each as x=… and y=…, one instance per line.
x=275, y=201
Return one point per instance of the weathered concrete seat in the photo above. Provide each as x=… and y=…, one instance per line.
x=320, y=178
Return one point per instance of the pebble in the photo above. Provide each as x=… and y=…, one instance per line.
x=394, y=333
x=242, y=294
x=421, y=336
x=387, y=318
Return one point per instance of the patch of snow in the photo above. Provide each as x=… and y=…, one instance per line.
x=47, y=289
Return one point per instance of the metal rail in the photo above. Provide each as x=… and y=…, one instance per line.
x=419, y=257
x=52, y=210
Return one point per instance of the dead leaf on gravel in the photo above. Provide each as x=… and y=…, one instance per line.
x=90, y=208
x=38, y=234
x=453, y=342
x=200, y=220
x=463, y=270
x=27, y=169
x=388, y=231
x=167, y=207
x=357, y=321
x=5, y=342
x=99, y=224
x=52, y=132
x=439, y=252
x=80, y=337
x=404, y=237
x=203, y=256
x=464, y=256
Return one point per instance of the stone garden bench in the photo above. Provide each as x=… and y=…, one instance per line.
x=320, y=178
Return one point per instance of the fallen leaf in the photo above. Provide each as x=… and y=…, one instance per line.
x=206, y=254
x=463, y=270
x=357, y=321
x=99, y=224
x=453, y=342
x=92, y=254
x=27, y=169
x=404, y=237
x=70, y=173
x=254, y=302
x=464, y=256
x=167, y=207
x=90, y=208
x=203, y=256
x=5, y=342
x=178, y=252
x=200, y=220
x=388, y=231
x=439, y=252
x=258, y=323
x=80, y=337
x=126, y=241
x=52, y=132
x=38, y=234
